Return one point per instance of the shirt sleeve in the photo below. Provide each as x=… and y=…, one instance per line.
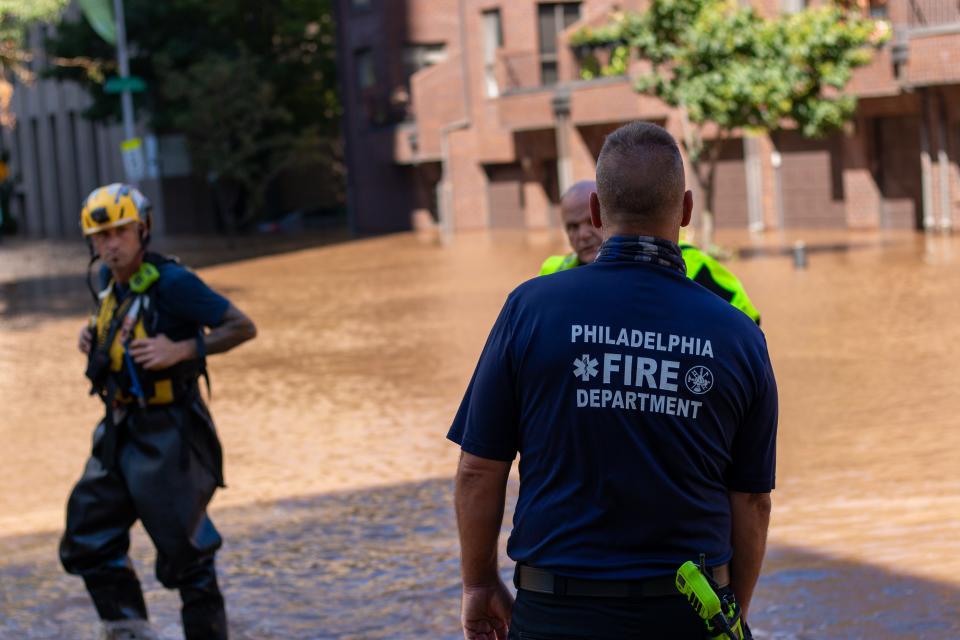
x=192, y=300
x=754, y=460
x=486, y=425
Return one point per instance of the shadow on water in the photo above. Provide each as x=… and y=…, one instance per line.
x=60, y=289
x=44, y=297
x=383, y=563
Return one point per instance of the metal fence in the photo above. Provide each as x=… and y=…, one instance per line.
x=933, y=13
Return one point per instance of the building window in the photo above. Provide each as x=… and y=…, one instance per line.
x=415, y=58
x=552, y=19
x=372, y=104
x=492, y=41
x=792, y=6
x=421, y=56
x=366, y=72
x=877, y=9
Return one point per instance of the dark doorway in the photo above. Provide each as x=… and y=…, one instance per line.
x=897, y=148
x=505, y=196
x=812, y=181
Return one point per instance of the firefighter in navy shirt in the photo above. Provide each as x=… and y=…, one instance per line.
x=644, y=411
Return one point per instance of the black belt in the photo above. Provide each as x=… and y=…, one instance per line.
x=540, y=581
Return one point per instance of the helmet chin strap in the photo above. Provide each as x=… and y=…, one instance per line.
x=94, y=256
x=144, y=236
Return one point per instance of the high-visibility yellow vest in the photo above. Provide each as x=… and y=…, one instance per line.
x=701, y=268
x=707, y=271
x=158, y=389
x=553, y=264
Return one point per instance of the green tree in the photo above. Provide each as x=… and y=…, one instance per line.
x=728, y=70
x=15, y=16
x=251, y=84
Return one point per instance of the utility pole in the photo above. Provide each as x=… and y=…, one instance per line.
x=126, y=97
x=134, y=163
x=123, y=61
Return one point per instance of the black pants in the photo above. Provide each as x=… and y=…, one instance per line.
x=538, y=616
x=164, y=475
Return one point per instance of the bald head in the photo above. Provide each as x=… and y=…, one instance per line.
x=640, y=181
x=584, y=238
x=579, y=192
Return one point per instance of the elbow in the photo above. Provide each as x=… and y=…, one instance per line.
x=475, y=470
x=758, y=504
x=468, y=474
x=249, y=330
x=761, y=505
x=243, y=327
x=764, y=505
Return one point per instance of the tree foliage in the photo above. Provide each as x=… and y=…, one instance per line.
x=251, y=84
x=15, y=17
x=726, y=67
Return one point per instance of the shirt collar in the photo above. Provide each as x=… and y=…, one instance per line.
x=642, y=249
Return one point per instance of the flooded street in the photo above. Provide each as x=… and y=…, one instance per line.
x=338, y=519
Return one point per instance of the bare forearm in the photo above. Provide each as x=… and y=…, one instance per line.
x=750, y=513
x=228, y=336
x=235, y=329
x=479, y=500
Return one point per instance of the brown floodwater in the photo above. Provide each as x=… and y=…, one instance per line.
x=338, y=518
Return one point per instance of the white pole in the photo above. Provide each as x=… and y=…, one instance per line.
x=123, y=61
x=129, y=124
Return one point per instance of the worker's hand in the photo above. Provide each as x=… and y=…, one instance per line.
x=86, y=339
x=485, y=612
x=159, y=352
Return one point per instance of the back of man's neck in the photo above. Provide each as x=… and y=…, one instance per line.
x=663, y=234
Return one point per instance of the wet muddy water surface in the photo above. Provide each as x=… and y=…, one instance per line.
x=338, y=518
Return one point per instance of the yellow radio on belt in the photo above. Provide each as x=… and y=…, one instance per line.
x=721, y=614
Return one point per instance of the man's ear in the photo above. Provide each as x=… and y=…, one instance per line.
x=687, y=208
x=595, y=210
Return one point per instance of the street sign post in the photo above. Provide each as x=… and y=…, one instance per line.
x=133, y=84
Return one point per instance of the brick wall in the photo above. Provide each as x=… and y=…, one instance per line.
x=864, y=178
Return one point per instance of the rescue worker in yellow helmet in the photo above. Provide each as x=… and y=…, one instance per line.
x=156, y=456
x=585, y=242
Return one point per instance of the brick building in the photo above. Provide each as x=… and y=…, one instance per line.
x=470, y=113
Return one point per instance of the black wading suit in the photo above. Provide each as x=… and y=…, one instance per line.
x=157, y=459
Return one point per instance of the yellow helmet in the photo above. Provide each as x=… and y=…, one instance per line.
x=113, y=206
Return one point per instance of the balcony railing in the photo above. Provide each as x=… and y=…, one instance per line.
x=518, y=71
x=525, y=71
x=933, y=13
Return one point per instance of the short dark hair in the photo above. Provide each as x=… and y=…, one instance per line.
x=640, y=174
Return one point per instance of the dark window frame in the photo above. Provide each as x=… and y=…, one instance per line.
x=551, y=59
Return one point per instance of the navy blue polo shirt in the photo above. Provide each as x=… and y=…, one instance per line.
x=185, y=304
x=636, y=399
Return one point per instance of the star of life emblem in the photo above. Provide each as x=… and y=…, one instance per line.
x=585, y=367
x=699, y=380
